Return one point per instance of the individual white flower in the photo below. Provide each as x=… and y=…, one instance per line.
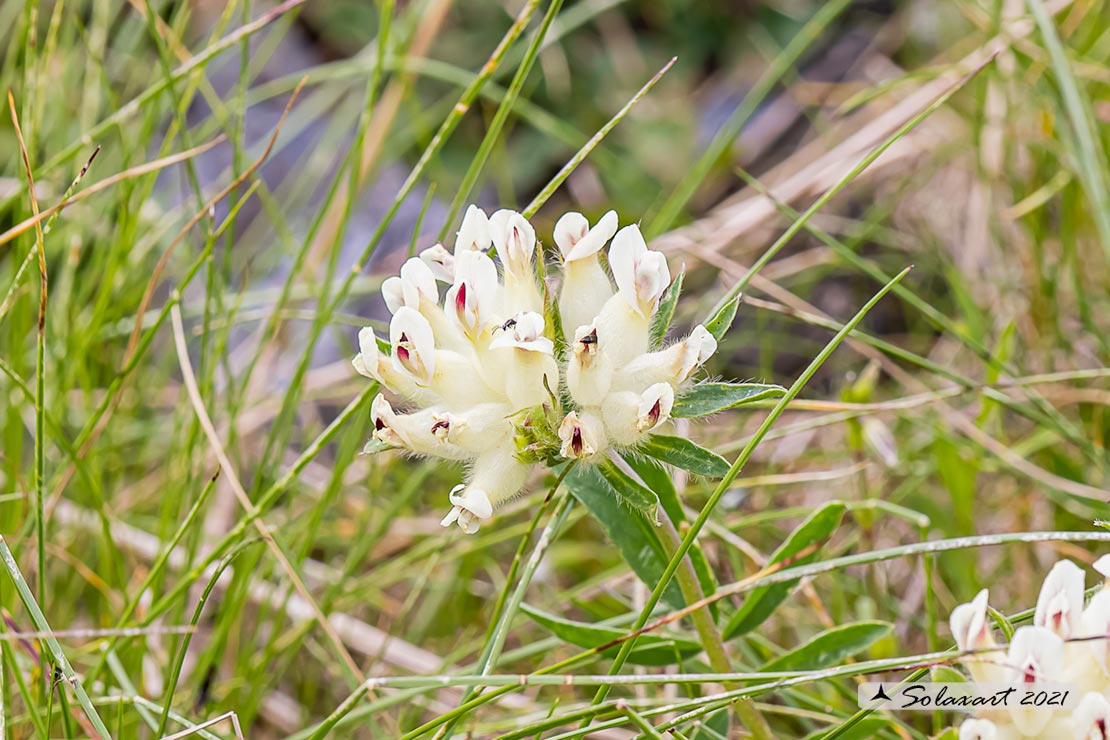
x=410, y=336
x=674, y=365
x=969, y=624
x=585, y=287
x=589, y=370
x=496, y=477
x=416, y=285
x=473, y=235
x=1091, y=719
x=473, y=301
x=425, y=432
x=582, y=436
x=972, y=631
x=1036, y=655
x=440, y=262
x=1096, y=624
x=629, y=416
x=642, y=275
x=515, y=241
x=532, y=374
x=468, y=505
x=1060, y=603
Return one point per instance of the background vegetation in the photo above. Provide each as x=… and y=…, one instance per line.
x=180, y=433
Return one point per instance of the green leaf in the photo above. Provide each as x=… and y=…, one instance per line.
x=658, y=478
x=374, y=446
x=682, y=453
x=762, y=602
x=665, y=313
x=635, y=537
x=629, y=489
x=830, y=647
x=709, y=398
x=653, y=650
x=719, y=325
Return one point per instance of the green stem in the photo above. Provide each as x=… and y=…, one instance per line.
x=710, y=635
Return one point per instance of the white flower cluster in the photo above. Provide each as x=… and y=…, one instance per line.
x=1051, y=650
x=493, y=383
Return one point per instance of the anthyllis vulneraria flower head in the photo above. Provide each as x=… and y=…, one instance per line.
x=501, y=371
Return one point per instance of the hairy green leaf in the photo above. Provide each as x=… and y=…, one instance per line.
x=629, y=489
x=709, y=398
x=635, y=537
x=682, y=453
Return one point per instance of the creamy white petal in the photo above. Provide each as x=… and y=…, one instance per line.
x=1060, y=603
x=524, y=331
x=440, y=262
x=393, y=292
x=1036, y=655
x=1102, y=566
x=675, y=364
x=978, y=729
x=496, y=477
x=642, y=275
x=473, y=235
x=515, y=240
x=582, y=435
x=969, y=625
x=584, y=291
x=655, y=407
x=589, y=371
x=413, y=344
x=1091, y=719
x=576, y=240
x=623, y=331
